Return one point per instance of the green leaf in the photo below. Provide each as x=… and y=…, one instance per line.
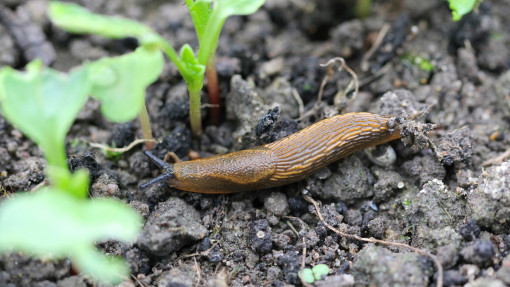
x=200, y=11
x=120, y=82
x=426, y=65
x=106, y=268
x=43, y=103
x=237, y=7
x=187, y=55
x=307, y=275
x=422, y=62
x=54, y=224
x=222, y=9
x=76, y=19
x=320, y=270
x=461, y=7
x=75, y=183
x=194, y=70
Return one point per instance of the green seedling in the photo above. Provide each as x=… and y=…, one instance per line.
x=462, y=7
x=208, y=21
x=316, y=273
x=54, y=224
x=76, y=19
x=208, y=24
x=362, y=8
x=422, y=63
x=43, y=104
x=120, y=82
x=60, y=221
x=307, y=275
x=122, y=91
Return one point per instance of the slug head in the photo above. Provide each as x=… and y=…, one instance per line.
x=166, y=169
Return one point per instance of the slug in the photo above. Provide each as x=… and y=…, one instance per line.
x=285, y=161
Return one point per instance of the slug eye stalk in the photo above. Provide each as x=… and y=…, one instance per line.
x=167, y=170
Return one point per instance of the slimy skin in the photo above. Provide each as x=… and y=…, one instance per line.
x=285, y=161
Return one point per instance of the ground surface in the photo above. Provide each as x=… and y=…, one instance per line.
x=441, y=198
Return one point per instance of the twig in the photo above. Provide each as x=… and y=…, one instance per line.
x=325, y=80
x=343, y=65
x=38, y=186
x=138, y=281
x=123, y=149
x=303, y=260
x=303, y=257
x=299, y=100
x=380, y=36
x=293, y=228
x=203, y=253
x=327, y=77
x=303, y=264
x=302, y=237
x=439, y=282
x=497, y=160
x=199, y=275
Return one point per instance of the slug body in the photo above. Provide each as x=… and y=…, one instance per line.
x=282, y=162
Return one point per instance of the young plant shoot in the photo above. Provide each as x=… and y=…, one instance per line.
x=462, y=7
x=33, y=102
x=122, y=92
x=60, y=221
x=54, y=224
x=208, y=21
x=308, y=275
x=76, y=19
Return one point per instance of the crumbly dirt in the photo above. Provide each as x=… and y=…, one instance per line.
x=430, y=190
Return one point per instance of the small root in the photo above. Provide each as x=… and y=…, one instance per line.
x=303, y=257
x=329, y=65
x=122, y=149
x=497, y=160
x=38, y=186
x=343, y=65
x=299, y=100
x=380, y=36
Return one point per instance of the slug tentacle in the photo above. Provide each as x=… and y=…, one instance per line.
x=167, y=171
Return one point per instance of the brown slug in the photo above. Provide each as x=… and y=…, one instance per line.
x=282, y=162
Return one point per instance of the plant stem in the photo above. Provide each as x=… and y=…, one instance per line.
x=173, y=56
x=146, y=126
x=209, y=41
x=213, y=89
x=206, y=52
x=194, y=85
x=363, y=8
x=55, y=154
x=194, y=110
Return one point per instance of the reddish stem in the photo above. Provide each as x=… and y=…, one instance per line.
x=213, y=90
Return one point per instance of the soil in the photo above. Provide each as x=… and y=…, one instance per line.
x=436, y=194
